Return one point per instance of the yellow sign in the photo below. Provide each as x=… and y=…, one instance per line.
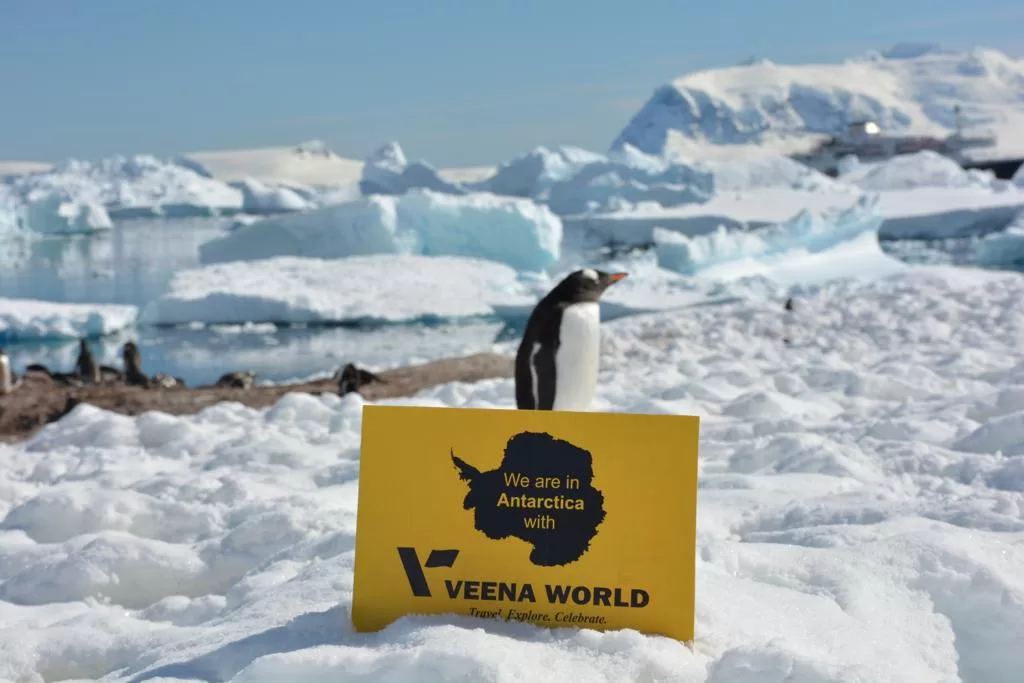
x=560, y=519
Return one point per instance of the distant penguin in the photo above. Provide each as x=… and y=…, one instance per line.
x=557, y=360
x=69, y=379
x=86, y=367
x=7, y=378
x=351, y=378
x=133, y=375
x=242, y=379
x=788, y=306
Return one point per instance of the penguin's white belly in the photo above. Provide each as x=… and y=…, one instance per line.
x=576, y=361
x=6, y=380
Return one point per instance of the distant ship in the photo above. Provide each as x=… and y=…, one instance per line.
x=865, y=140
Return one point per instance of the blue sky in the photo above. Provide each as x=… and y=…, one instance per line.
x=455, y=82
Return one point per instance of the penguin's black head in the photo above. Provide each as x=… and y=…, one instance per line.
x=586, y=284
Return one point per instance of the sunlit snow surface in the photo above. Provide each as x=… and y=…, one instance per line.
x=861, y=513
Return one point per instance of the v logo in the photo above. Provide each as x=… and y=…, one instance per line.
x=414, y=571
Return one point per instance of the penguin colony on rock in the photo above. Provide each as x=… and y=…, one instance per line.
x=87, y=371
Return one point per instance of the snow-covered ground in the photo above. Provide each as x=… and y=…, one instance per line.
x=861, y=513
x=34, y=320
x=767, y=108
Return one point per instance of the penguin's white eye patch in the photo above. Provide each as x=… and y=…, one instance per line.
x=590, y=274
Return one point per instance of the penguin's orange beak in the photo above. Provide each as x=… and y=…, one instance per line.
x=615, y=277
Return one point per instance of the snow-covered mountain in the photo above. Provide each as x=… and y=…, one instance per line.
x=782, y=108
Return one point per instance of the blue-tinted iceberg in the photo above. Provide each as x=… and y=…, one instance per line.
x=734, y=253
x=513, y=231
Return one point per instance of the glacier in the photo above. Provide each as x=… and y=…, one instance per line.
x=514, y=231
x=786, y=107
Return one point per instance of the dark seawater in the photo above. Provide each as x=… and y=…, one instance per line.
x=134, y=262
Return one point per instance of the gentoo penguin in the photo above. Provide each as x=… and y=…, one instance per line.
x=133, y=375
x=350, y=378
x=7, y=378
x=242, y=379
x=86, y=366
x=557, y=360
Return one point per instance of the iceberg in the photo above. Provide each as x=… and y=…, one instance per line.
x=376, y=289
x=787, y=246
x=532, y=174
x=569, y=180
x=57, y=213
x=387, y=171
x=131, y=187
x=514, y=231
x=36, y=320
x=1003, y=249
x=259, y=197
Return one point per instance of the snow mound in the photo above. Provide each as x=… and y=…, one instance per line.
x=910, y=91
x=356, y=290
x=386, y=171
x=739, y=253
x=35, y=320
x=513, y=231
x=128, y=187
x=856, y=521
x=922, y=169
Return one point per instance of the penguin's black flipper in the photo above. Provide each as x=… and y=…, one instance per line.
x=536, y=358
